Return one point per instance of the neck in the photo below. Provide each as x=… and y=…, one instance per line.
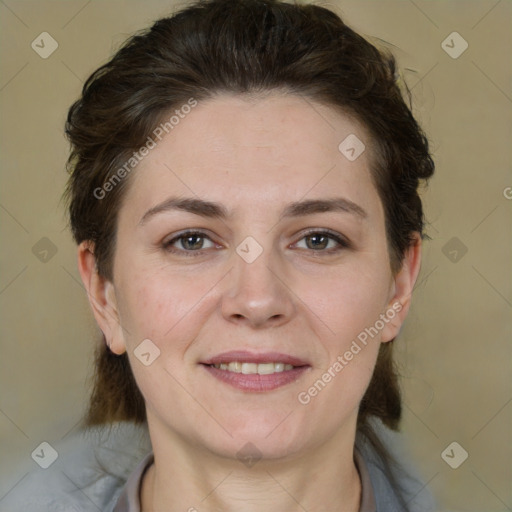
x=185, y=478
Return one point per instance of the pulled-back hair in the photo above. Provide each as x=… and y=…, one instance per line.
x=239, y=47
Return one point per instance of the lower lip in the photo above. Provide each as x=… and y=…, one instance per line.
x=256, y=382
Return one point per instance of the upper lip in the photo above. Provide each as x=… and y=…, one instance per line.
x=251, y=357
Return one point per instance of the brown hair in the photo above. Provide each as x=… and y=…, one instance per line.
x=251, y=47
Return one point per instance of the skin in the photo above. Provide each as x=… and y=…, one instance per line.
x=254, y=156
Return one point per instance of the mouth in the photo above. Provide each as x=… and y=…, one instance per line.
x=253, y=368
x=255, y=372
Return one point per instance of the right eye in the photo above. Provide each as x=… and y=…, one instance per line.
x=191, y=242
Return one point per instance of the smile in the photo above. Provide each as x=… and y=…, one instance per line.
x=253, y=368
x=253, y=372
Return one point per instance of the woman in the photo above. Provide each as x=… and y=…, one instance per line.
x=243, y=192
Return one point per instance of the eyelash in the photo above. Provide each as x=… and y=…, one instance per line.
x=342, y=241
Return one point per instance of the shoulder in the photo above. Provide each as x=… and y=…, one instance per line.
x=89, y=473
x=396, y=483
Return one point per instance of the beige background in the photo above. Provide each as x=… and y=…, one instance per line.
x=455, y=348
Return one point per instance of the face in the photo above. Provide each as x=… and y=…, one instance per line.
x=246, y=238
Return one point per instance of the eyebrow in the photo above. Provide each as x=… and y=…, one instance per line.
x=216, y=210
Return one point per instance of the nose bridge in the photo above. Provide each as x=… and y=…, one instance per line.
x=256, y=293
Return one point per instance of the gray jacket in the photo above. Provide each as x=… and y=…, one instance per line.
x=93, y=466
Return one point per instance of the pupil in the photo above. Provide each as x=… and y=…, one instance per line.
x=193, y=242
x=318, y=242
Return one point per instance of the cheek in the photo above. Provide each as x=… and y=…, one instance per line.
x=159, y=305
x=345, y=309
x=166, y=311
x=336, y=392
x=146, y=309
x=348, y=300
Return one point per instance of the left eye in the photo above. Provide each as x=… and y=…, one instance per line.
x=320, y=241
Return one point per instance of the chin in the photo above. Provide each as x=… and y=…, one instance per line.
x=263, y=435
x=249, y=450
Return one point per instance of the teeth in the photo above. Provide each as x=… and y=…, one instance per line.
x=249, y=368
x=266, y=368
x=235, y=367
x=253, y=368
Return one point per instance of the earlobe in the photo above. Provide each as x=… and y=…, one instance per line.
x=101, y=295
x=403, y=285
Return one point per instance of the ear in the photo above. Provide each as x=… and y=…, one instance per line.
x=101, y=294
x=401, y=290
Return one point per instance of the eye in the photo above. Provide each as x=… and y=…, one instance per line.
x=189, y=242
x=322, y=241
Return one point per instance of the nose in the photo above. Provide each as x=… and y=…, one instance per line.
x=257, y=294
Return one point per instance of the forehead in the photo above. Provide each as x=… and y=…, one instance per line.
x=262, y=151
